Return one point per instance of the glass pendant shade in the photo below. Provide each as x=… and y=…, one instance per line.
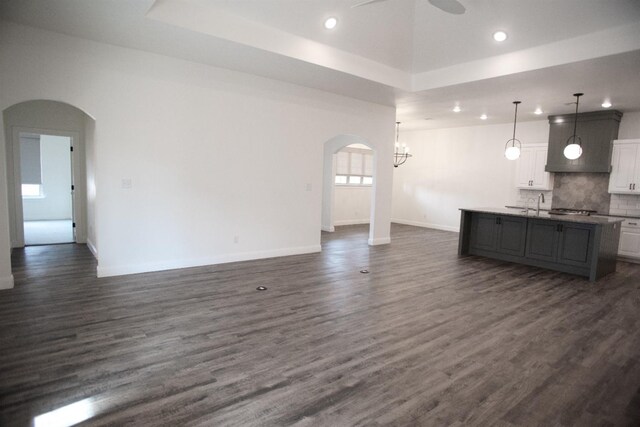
x=512, y=153
x=572, y=151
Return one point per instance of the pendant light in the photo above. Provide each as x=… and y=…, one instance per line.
x=512, y=152
x=400, y=154
x=573, y=150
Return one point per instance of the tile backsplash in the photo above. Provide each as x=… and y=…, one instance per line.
x=625, y=204
x=582, y=191
x=530, y=198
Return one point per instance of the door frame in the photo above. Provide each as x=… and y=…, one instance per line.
x=15, y=181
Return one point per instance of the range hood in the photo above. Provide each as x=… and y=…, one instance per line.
x=597, y=129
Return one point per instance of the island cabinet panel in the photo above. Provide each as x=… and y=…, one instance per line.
x=587, y=247
x=576, y=244
x=512, y=235
x=562, y=242
x=543, y=240
x=500, y=234
x=484, y=232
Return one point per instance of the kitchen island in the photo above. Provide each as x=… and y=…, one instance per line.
x=576, y=244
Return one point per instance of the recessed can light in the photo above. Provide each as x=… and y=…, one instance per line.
x=330, y=23
x=538, y=111
x=606, y=104
x=483, y=117
x=499, y=36
x=457, y=109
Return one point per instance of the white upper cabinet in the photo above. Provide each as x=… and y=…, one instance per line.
x=625, y=167
x=530, y=170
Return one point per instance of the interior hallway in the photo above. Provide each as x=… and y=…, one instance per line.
x=425, y=338
x=48, y=232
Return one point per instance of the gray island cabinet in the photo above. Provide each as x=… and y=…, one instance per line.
x=576, y=244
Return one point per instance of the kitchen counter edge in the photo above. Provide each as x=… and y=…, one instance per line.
x=583, y=219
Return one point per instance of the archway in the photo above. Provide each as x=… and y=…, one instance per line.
x=55, y=118
x=331, y=147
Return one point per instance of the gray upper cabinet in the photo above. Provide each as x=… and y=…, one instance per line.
x=597, y=129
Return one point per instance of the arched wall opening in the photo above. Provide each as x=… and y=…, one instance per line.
x=56, y=118
x=331, y=147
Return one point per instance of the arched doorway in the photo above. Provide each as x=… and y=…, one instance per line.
x=331, y=148
x=60, y=121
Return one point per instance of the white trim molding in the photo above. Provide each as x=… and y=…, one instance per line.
x=92, y=248
x=6, y=282
x=426, y=225
x=351, y=222
x=120, y=270
x=379, y=241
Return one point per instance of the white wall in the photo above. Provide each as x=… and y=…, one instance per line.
x=629, y=126
x=456, y=168
x=56, y=182
x=90, y=163
x=352, y=205
x=212, y=155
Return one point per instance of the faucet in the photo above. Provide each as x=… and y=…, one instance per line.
x=540, y=196
x=526, y=205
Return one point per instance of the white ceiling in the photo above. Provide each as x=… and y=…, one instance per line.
x=414, y=36
x=405, y=53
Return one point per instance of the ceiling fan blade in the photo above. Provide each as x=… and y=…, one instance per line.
x=449, y=6
x=364, y=3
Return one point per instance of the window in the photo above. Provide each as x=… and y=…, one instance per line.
x=354, y=166
x=30, y=165
x=31, y=190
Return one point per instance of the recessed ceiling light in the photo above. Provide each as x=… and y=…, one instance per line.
x=606, y=104
x=538, y=111
x=499, y=36
x=457, y=109
x=483, y=117
x=330, y=23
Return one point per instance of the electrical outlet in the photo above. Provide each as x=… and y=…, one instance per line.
x=236, y=239
x=126, y=183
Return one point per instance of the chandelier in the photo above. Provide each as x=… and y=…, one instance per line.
x=401, y=153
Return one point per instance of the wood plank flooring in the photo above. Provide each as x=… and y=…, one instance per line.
x=426, y=338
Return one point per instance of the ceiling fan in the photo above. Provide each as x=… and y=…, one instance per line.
x=449, y=6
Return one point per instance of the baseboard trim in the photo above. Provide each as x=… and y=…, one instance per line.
x=379, y=241
x=427, y=225
x=351, y=222
x=328, y=229
x=92, y=248
x=6, y=282
x=172, y=265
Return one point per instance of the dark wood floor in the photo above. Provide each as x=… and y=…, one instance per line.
x=425, y=339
